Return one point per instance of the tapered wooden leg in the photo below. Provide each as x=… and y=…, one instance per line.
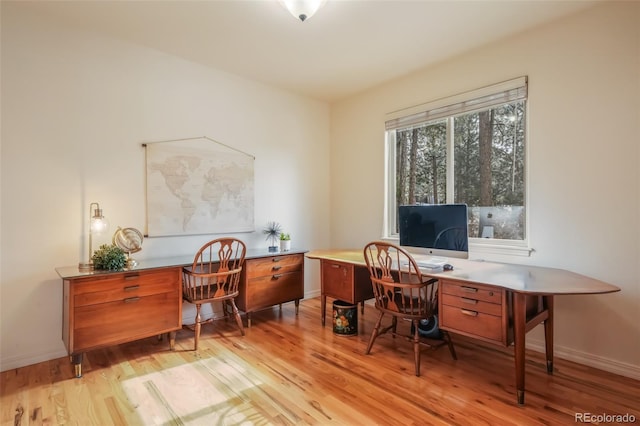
x=548, y=332
x=362, y=307
x=416, y=347
x=198, y=327
x=375, y=332
x=323, y=307
x=76, y=359
x=452, y=349
x=172, y=340
x=519, y=331
x=236, y=314
x=297, y=302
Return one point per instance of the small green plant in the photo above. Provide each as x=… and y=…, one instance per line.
x=284, y=236
x=109, y=257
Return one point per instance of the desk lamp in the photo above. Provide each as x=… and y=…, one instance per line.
x=97, y=224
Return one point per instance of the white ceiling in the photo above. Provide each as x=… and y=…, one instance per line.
x=347, y=47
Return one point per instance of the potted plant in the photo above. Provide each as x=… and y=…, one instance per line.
x=109, y=257
x=272, y=231
x=285, y=241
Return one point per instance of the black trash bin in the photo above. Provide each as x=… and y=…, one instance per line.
x=345, y=318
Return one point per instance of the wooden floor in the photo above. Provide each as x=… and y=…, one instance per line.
x=290, y=370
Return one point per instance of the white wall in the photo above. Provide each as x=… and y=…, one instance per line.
x=584, y=187
x=75, y=109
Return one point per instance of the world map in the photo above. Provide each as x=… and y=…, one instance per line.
x=198, y=186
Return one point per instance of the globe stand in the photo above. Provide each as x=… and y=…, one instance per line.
x=131, y=262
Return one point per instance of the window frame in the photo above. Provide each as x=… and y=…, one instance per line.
x=476, y=245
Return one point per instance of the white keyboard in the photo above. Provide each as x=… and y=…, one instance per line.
x=432, y=263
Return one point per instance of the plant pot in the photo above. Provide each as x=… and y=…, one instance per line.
x=285, y=245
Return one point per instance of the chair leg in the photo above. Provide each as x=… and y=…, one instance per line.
x=416, y=347
x=374, y=333
x=394, y=326
x=237, y=315
x=197, y=328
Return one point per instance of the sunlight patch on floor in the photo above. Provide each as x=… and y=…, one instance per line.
x=208, y=391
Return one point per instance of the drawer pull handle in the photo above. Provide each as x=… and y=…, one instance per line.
x=335, y=266
x=469, y=289
x=276, y=259
x=131, y=288
x=276, y=276
x=131, y=299
x=470, y=301
x=470, y=313
x=131, y=277
x=277, y=268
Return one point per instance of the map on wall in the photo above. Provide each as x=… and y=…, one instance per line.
x=198, y=186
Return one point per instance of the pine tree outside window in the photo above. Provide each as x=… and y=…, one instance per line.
x=469, y=148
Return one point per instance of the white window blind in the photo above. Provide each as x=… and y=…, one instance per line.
x=475, y=100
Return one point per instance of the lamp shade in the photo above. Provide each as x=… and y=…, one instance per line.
x=99, y=223
x=303, y=9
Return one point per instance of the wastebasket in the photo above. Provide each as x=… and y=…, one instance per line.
x=345, y=318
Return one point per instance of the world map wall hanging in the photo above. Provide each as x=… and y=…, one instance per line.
x=198, y=186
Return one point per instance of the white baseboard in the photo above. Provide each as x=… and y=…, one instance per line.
x=584, y=358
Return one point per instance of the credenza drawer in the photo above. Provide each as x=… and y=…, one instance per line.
x=473, y=323
x=273, y=265
x=472, y=304
x=125, y=320
x=472, y=291
x=274, y=289
x=124, y=286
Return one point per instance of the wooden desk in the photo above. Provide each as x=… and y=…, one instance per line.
x=494, y=302
x=104, y=308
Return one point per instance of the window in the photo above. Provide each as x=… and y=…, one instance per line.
x=469, y=149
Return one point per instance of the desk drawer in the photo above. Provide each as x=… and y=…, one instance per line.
x=472, y=304
x=125, y=286
x=472, y=323
x=338, y=281
x=125, y=320
x=273, y=265
x=473, y=291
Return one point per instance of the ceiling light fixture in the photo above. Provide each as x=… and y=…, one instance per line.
x=302, y=9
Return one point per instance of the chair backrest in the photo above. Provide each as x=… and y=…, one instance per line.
x=216, y=268
x=398, y=286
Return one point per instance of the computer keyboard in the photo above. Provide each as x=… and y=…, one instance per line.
x=432, y=263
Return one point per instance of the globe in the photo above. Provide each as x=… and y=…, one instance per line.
x=130, y=241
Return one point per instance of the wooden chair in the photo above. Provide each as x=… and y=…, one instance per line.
x=401, y=291
x=214, y=276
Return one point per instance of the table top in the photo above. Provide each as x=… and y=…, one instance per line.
x=517, y=278
x=71, y=272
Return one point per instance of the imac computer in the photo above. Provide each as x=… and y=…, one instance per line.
x=438, y=230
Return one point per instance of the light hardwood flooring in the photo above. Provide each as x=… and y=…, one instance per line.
x=289, y=370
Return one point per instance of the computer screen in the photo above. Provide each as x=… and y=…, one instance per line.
x=437, y=229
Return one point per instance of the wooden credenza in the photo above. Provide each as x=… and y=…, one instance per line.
x=271, y=280
x=111, y=308
x=105, y=308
